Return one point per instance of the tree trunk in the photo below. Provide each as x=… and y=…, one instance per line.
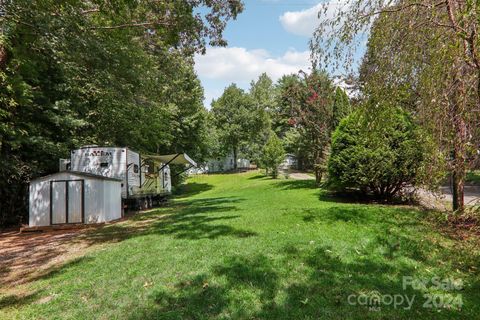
x=317, y=169
x=459, y=142
x=318, y=176
x=235, y=158
x=458, y=182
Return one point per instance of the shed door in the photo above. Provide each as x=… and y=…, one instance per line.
x=75, y=201
x=66, y=201
x=58, y=204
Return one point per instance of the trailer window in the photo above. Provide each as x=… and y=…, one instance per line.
x=104, y=164
x=135, y=168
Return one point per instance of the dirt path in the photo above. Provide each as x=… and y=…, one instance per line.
x=301, y=176
x=25, y=255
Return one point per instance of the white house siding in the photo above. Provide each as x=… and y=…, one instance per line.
x=223, y=164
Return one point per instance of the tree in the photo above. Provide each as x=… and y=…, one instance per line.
x=235, y=119
x=379, y=158
x=341, y=106
x=313, y=117
x=432, y=50
x=273, y=154
x=263, y=95
x=286, y=97
x=308, y=108
x=80, y=72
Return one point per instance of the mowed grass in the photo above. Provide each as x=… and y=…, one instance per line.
x=243, y=246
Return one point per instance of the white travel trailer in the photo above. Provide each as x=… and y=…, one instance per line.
x=142, y=176
x=123, y=164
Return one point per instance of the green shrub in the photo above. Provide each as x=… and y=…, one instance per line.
x=375, y=153
x=273, y=155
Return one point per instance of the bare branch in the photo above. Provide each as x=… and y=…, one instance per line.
x=88, y=11
x=131, y=25
x=401, y=8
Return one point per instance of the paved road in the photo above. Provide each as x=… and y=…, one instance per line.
x=472, y=194
x=443, y=200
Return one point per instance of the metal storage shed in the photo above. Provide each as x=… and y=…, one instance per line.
x=74, y=197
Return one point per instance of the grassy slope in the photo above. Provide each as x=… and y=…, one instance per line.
x=244, y=246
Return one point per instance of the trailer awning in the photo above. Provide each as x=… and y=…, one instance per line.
x=176, y=158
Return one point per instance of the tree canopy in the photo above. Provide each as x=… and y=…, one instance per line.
x=110, y=73
x=422, y=55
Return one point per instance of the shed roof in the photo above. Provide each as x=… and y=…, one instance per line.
x=78, y=173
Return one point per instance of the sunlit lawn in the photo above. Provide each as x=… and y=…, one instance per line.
x=247, y=247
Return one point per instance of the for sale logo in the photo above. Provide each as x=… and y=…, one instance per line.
x=434, y=293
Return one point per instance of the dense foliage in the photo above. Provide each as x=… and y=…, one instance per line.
x=301, y=109
x=238, y=121
x=110, y=73
x=310, y=107
x=273, y=155
x=379, y=155
x=422, y=55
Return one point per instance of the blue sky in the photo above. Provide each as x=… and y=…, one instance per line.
x=269, y=36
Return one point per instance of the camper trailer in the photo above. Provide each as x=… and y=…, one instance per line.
x=143, y=176
x=140, y=177
x=91, y=186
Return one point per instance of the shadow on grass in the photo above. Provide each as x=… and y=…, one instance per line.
x=295, y=184
x=373, y=215
x=193, y=219
x=202, y=218
x=40, y=296
x=259, y=177
x=335, y=214
x=191, y=189
x=16, y=301
x=393, y=229
x=258, y=287
x=58, y=270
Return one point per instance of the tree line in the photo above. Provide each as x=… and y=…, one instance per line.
x=99, y=72
x=296, y=115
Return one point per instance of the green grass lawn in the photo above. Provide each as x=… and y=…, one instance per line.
x=247, y=247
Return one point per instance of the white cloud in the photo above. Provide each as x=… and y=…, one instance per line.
x=221, y=66
x=304, y=22
x=239, y=64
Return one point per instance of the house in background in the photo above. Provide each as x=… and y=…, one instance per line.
x=225, y=164
x=290, y=162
